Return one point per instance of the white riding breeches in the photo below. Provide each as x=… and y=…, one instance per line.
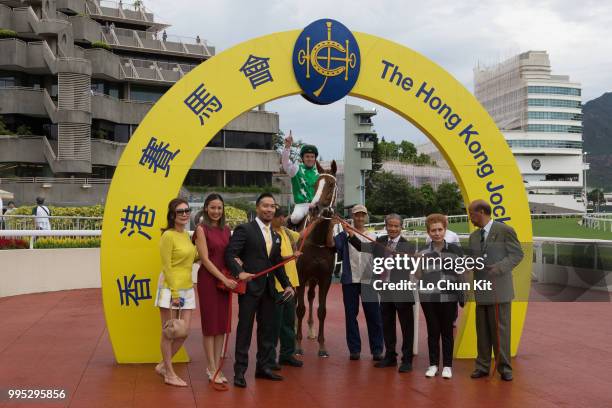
x=299, y=212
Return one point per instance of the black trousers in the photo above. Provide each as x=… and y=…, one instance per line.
x=439, y=317
x=284, y=330
x=262, y=307
x=404, y=312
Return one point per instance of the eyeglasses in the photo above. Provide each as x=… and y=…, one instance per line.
x=183, y=211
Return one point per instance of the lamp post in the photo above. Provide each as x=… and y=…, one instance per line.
x=584, y=169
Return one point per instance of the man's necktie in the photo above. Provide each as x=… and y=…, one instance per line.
x=268, y=239
x=482, y=238
x=387, y=272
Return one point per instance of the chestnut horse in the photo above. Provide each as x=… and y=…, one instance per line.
x=316, y=265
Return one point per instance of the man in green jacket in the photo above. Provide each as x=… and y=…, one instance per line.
x=303, y=175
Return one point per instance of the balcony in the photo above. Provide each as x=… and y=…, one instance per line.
x=118, y=110
x=367, y=146
x=133, y=13
x=152, y=41
x=22, y=101
x=154, y=71
x=104, y=64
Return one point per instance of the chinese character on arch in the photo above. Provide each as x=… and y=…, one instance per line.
x=134, y=289
x=158, y=156
x=137, y=218
x=202, y=103
x=257, y=70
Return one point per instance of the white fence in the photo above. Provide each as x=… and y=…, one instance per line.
x=601, y=221
x=28, y=222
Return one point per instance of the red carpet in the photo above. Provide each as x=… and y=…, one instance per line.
x=58, y=340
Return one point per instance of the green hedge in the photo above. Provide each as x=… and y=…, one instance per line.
x=234, y=189
x=6, y=33
x=67, y=242
x=100, y=44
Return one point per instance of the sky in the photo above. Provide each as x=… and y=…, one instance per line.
x=456, y=35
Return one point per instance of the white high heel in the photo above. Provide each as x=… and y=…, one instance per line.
x=218, y=380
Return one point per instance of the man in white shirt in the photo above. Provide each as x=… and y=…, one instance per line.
x=42, y=214
x=355, y=279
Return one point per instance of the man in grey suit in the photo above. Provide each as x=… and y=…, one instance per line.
x=498, y=244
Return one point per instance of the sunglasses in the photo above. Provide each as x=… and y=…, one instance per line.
x=183, y=211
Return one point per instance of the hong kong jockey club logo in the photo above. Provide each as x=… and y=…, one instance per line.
x=326, y=61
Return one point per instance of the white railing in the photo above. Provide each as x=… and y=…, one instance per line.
x=156, y=41
x=598, y=221
x=66, y=223
x=55, y=180
x=420, y=221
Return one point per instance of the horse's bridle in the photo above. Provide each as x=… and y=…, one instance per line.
x=332, y=202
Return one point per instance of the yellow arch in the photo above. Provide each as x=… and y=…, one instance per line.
x=130, y=260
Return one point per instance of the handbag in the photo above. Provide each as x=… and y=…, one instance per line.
x=241, y=285
x=175, y=328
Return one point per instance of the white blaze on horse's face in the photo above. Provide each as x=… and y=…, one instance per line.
x=320, y=188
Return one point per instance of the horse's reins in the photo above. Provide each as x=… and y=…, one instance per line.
x=223, y=387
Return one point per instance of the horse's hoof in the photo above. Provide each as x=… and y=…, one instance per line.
x=323, y=354
x=299, y=352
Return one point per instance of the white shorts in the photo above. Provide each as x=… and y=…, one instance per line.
x=299, y=212
x=162, y=299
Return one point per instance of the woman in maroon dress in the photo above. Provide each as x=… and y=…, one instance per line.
x=211, y=239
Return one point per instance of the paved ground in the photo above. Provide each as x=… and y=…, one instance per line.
x=59, y=340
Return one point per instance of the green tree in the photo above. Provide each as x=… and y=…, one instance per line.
x=429, y=198
x=278, y=141
x=3, y=129
x=377, y=157
x=449, y=199
x=23, y=130
x=390, y=193
x=407, y=152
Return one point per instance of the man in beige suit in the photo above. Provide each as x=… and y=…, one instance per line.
x=498, y=244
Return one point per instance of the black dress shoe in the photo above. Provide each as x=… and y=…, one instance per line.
x=506, y=376
x=386, y=362
x=268, y=375
x=291, y=361
x=479, y=374
x=354, y=356
x=239, y=381
x=405, y=367
x=377, y=357
x=275, y=367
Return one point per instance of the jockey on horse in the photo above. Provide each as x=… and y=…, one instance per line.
x=303, y=178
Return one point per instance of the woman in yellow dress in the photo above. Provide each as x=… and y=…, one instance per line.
x=175, y=289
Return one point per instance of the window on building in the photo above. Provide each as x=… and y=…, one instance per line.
x=216, y=141
x=554, y=128
x=247, y=140
x=559, y=103
x=102, y=172
x=366, y=155
x=562, y=177
x=144, y=93
x=555, y=115
x=365, y=120
x=558, y=144
x=211, y=178
x=248, y=178
x=553, y=90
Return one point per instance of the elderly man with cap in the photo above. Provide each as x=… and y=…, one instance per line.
x=303, y=178
x=356, y=281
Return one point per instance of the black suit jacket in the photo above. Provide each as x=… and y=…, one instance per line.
x=379, y=250
x=247, y=243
